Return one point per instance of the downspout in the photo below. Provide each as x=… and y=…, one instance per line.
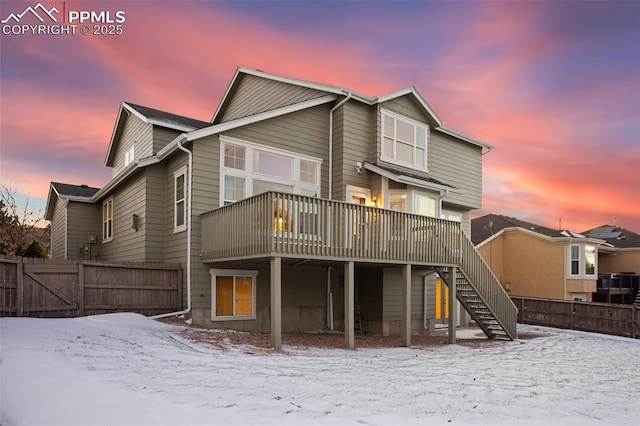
x=189, y=192
x=439, y=201
x=342, y=102
x=329, y=294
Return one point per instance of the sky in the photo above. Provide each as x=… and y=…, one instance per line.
x=554, y=86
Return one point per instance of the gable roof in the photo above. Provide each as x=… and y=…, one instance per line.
x=82, y=193
x=152, y=116
x=65, y=189
x=484, y=227
x=167, y=119
x=341, y=91
x=616, y=236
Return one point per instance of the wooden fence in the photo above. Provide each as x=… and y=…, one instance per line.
x=67, y=288
x=607, y=318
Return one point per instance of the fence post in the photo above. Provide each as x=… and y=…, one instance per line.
x=19, y=289
x=571, y=316
x=524, y=311
x=81, y=289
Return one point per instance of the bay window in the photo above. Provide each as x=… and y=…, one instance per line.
x=582, y=260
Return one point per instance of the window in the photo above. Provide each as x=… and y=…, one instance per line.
x=249, y=169
x=129, y=155
x=107, y=220
x=575, y=260
x=589, y=260
x=424, y=205
x=398, y=200
x=179, y=200
x=233, y=294
x=404, y=141
x=582, y=260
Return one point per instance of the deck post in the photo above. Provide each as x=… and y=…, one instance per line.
x=406, y=305
x=453, y=306
x=349, y=333
x=276, y=302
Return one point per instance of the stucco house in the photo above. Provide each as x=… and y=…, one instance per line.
x=296, y=206
x=532, y=260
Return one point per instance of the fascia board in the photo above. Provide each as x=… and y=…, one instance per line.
x=113, y=132
x=419, y=98
x=491, y=238
x=218, y=128
x=226, y=94
x=409, y=180
x=464, y=138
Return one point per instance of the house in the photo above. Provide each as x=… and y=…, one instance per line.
x=531, y=260
x=618, y=264
x=298, y=204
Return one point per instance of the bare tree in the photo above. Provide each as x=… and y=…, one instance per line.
x=19, y=225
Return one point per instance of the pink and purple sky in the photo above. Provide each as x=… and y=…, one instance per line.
x=555, y=86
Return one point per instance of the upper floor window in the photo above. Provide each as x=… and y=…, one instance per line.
x=129, y=155
x=107, y=220
x=582, y=260
x=251, y=169
x=179, y=200
x=404, y=141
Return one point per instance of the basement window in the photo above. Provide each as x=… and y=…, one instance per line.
x=233, y=294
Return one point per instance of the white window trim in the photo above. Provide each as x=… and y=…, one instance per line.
x=385, y=112
x=129, y=155
x=110, y=237
x=180, y=228
x=582, y=250
x=235, y=273
x=249, y=175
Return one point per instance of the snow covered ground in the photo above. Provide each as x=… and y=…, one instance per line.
x=125, y=369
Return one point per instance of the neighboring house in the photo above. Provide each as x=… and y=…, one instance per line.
x=618, y=263
x=298, y=203
x=531, y=260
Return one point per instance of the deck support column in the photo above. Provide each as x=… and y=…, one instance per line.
x=453, y=306
x=406, y=305
x=276, y=302
x=349, y=302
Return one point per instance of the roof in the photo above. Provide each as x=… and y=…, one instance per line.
x=341, y=91
x=151, y=116
x=400, y=176
x=82, y=193
x=169, y=119
x=616, y=236
x=486, y=226
x=68, y=190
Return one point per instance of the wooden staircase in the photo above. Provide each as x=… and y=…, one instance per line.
x=481, y=294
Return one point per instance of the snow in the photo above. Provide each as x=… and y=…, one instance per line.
x=125, y=369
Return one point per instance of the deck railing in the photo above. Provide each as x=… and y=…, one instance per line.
x=487, y=286
x=312, y=228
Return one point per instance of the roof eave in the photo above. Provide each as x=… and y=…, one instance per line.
x=464, y=138
x=108, y=161
x=410, y=180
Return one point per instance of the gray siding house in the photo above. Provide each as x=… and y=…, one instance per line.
x=299, y=207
